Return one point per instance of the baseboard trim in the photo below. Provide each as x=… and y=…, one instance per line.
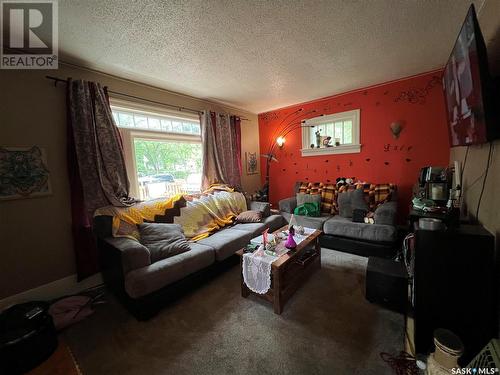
x=58, y=288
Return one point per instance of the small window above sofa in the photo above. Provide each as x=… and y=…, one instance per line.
x=332, y=134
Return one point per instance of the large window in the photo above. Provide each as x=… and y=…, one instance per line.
x=136, y=120
x=162, y=150
x=331, y=134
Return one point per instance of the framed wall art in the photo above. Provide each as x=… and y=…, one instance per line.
x=251, y=163
x=23, y=173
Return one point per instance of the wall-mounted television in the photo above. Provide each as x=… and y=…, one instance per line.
x=469, y=90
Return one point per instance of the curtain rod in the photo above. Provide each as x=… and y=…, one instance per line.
x=179, y=108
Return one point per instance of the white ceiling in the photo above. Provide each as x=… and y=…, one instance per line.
x=260, y=55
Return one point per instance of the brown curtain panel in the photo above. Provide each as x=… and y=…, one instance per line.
x=96, y=166
x=221, y=142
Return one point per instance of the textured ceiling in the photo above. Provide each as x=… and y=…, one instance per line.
x=260, y=55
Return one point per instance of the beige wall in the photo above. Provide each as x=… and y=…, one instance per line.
x=473, y=177
x=35, y=239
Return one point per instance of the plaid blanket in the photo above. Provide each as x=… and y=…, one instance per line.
x=375, y=194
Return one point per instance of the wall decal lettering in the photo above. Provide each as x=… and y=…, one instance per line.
x=394, y=147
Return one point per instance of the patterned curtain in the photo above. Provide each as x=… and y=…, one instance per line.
x=96, y=167
x=221, y=139
x=236, y=125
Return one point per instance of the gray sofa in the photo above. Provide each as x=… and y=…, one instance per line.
x=341, y=233
x=142, y=285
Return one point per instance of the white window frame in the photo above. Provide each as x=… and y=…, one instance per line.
x=129, y=135
x=351, y=148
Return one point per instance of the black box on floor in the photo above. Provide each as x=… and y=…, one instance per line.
x=387, y=283
x=27, y=337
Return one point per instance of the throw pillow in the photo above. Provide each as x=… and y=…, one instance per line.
x=308, y=198
x=263, y=207
x=249, y=217
x=351, y=200
x=163, y=240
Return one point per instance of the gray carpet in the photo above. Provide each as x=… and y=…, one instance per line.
x=326, y=328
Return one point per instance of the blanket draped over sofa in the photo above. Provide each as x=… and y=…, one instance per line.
x=199, y=215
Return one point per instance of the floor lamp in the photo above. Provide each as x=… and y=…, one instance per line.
x=291, y=122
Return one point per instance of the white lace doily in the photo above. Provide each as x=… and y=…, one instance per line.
x=256, y=267
x=257, y=271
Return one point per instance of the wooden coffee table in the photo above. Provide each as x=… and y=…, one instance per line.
x=288, y=272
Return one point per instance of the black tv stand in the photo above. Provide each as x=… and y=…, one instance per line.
x=455, y=287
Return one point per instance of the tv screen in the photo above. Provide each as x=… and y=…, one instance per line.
x=468, y=88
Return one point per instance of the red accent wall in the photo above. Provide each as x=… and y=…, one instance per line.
x=417, y=102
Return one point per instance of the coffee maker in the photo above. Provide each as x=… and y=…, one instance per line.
x=434, y=184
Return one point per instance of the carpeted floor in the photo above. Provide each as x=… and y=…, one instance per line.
x=326, y=328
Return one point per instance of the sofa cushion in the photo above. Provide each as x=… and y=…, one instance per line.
x=227, y=241
x=273, y=222
x=308, y=198
x=254, y=228
x=148, y=279
x=376, y=194
x=133, y=254
x=163, y=240
x=351, y=200
x=263, y=207
x=288, y=204
x=386, y=213
x=307, y=221
x=379, y=194
x=344, y=227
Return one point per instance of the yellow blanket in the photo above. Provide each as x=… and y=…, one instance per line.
x=126, y=219
x=201, y=215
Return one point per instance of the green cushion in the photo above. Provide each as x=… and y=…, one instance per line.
x=308, y=209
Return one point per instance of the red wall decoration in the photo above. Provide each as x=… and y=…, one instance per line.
x=416, y=102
